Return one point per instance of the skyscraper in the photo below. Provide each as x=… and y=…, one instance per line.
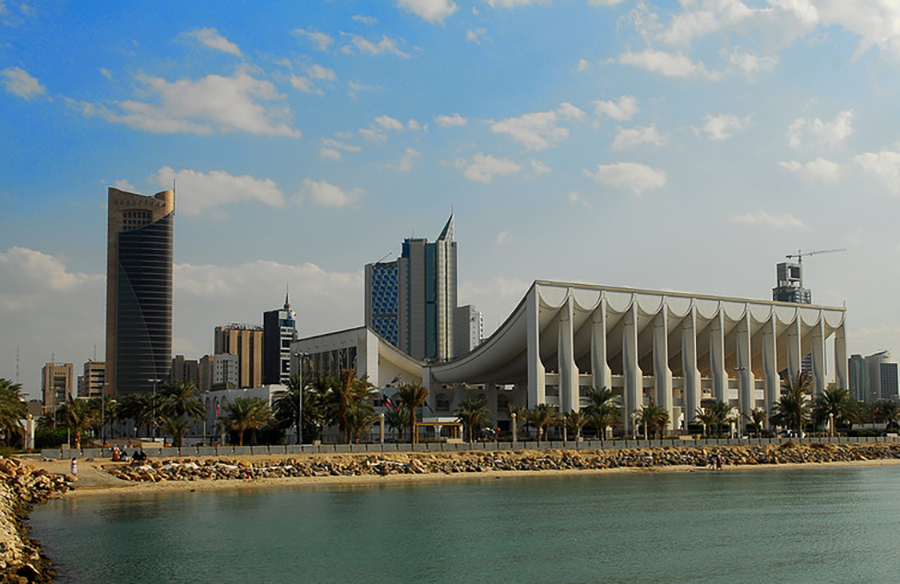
x=140, y=234
x=279, y=331
x=411, y=301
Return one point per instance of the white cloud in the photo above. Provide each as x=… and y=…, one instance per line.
x=583, y=65
x=372, y=135
x=34, y=272
x=357, y=87
x=454, y=120
x=304, y=84
x=503, y=238
x=629, y=175
x=365, y=20
x=214, y=103
x=210, y=37
x=389, y=123
x=385, y=45
x=331, y=143
x=483, y=167
x=320, y=72
x=819, y=169
x=783, y=221
x=415, y=125
x=476, y=35
x=539, y=130
x=668, y=64
x=406, y=163
x=749, y=64
x=331, y=154
x=829, y=134
x=430, y=10
x=622, y=109
x=326, y=194
x=885, y=165
x=19, y=82
x=321, y=40
x=632, y=137
x=605, y=2
x=538, y=168
x=514, y=3
x=199, y=192
x=723, y=126
x=124, y=185
x=577, y=198
x=106, y=73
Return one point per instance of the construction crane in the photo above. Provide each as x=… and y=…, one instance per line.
x=801, y=254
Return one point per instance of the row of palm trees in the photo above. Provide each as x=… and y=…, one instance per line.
x=12, y=410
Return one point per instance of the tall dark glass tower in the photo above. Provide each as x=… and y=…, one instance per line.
x=138, y=291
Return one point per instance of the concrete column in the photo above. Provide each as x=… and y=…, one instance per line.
x=840, y=357
x=717, y=357
x=536, y=373
x=661, y=372
x=634, y=391
x=568, y=372
x=602, y=376
x=689, y=364
x=770, y=364
x=793, y=349
x=820, y=381
x=746, y=381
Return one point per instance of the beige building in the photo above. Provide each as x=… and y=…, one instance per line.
x=57, y=384
x=92, y=380
x=245, y=341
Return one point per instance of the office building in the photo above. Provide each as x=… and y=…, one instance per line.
x=245, y=341
x=412, y=301
x=858, y=378
x=469, y=325
x=139, y=291
x=185, y=370
x=57, y=385
x=881, y=375
x=790, y=284
x=91, y=382
x=279, y=331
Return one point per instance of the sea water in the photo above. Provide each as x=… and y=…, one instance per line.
x=763, y=525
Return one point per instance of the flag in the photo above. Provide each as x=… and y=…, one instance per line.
x=389, y=403
x=218, y=407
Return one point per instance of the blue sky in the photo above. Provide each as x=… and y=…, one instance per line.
x=665, y=145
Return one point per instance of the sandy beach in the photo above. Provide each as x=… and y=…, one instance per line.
x=92, y=480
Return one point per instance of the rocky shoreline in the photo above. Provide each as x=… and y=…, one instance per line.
x=21, y=487
x=351, y=465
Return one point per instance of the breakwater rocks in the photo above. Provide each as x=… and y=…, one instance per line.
x=22, y=486
x=348, y=465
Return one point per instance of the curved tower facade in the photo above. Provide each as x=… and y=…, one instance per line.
x=140, y=234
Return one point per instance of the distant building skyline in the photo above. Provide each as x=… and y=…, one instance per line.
x=140, y=233
x=279, y=331
x=246, y=342
x=57, y=384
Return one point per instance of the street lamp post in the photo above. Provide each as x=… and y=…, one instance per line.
x=154, y=382
x=831, y=424
x=633, y=427
x=515, y=428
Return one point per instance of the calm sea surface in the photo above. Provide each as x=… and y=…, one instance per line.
x=805, y=525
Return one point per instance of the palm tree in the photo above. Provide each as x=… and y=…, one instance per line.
x=756, y=419
x=472, y=414
x=246, y=413
x=179, y=407
x=360, y=418
x=107, y=409
x=12, y=410
x=349, y=391
x=414, y=396
x=397, y=418
x=887, y=411
x=654, y=418
x=575, y=421
x=792, y=408
x=78, y=416
x=520, y=413
x=142, y=408
x=603, y=408
x=543, y=416
x=714, y=414
x=289, y=406
x=837, y=404
x=315, y=407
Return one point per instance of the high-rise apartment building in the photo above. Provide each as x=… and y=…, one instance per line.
x=279, y=331
x=57, y=384
x=185, y=369
x=469, y=333
x=412, y=301
x=858, y=377
x=140, y=234
x=245, y=341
